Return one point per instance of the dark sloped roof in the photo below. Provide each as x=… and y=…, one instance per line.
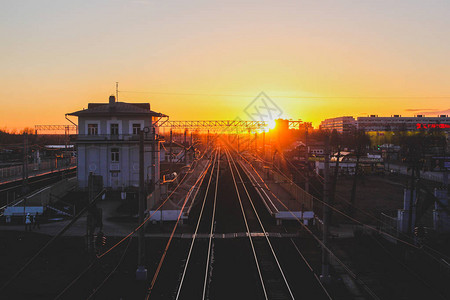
x=116, y=108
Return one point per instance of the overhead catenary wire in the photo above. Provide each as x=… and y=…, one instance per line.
x=265, y=232
x=194, y=236
x=98, y=257
x=295, y=246
x=155, y=276
x=319, y=241
x=112, y=271
x=311, y=269
x=409, y=270
x=212, y=229
x=148, y=217
x=287, y=96
x=367, y=214
x=81, y=274
x=413, y=273
x=61, y=232
x=248, y=230
x=353, y=219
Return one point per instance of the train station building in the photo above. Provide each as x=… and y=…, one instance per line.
x=108, y=144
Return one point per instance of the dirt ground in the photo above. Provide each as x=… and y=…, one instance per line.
x=374, y=195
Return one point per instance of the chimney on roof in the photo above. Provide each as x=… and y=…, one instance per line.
x=112, y=99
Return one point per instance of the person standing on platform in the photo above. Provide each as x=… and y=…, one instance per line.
x=28, y=222
x=36, y=221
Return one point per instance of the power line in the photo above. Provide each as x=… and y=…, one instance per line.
x=349, y=217
x=158, y=269
x=98, y=257
x=346, y=268
x=364, y=212
x=414, y=274
x=286, y=96
x=75, y=280
x=61, y=232
x=151, y=215
x=112, y=272
x=194, y=236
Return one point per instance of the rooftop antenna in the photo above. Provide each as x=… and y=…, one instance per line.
x=117, y=91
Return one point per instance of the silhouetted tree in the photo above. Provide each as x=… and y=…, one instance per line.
x=361, y=141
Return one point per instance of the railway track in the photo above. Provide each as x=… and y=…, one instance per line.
x=274, y=283
x=230, y=253
x=247, y=263
x=9, y=191
x=198, y=260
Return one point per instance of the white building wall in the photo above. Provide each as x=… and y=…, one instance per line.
x=95, y=156
x=97, y=159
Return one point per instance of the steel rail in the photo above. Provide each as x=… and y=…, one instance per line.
x=344, y=266
x=195, y=232
x=247, y=227
x=292, y=240
x=113, y=271
x=198, y=189
x=154, y=212
x=265, y=233
x=212, y=229
x=158, y=269
x=311, y=269
x=347, y=216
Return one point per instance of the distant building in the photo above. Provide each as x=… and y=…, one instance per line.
x=393, y=123
x=108, y=143
x=399, y=123
x=340, y=124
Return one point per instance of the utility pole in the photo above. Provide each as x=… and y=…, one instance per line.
x=264, y=145
x=25, y=163
x=141, y=272
x=170, y=149
x=185, y=145
x=306, y=159
x=256, y=143
x=358, y=150
x=155, y=157
x=192, y=141
x=238, y=142
x=89, y=220
x=411, y=197
x=325, y=276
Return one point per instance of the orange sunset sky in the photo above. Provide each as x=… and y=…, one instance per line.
x=209, y=59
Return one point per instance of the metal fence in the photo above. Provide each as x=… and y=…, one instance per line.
x=299, y=199
x=388, y=224
x=34, y=169
x=432, y=176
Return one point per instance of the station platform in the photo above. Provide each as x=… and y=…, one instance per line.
x=283, y=199
x=170, y=210
x=33, y=174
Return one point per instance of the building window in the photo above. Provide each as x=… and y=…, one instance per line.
x=92, y=129
x=136, y=128
x=115, y=155
x=114, y=129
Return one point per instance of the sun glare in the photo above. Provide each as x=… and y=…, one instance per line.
x=272, y=124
